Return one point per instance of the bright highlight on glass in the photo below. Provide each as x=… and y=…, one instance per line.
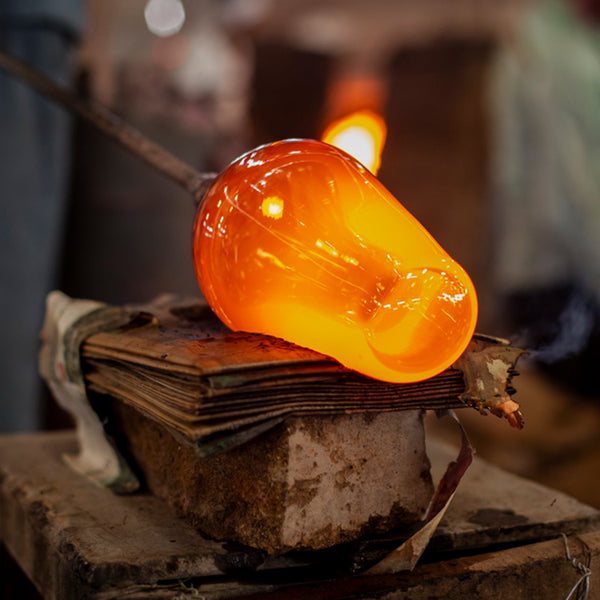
x=164, y=17
x=360, y=134
x=272, y=207
x=298, y=240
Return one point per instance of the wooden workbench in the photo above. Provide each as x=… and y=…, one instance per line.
x=501, y=538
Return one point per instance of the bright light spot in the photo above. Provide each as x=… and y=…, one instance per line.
x=272, y=207
x=164, y=17
x=362, y=135
x=270, y=257
x=350, y=259
x=454, y=298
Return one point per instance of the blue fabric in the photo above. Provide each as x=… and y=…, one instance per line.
x=66, y=14
x=34, y=161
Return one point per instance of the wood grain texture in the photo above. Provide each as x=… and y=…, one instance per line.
x=75, y=540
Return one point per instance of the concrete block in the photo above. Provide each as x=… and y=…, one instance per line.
x=311, y=483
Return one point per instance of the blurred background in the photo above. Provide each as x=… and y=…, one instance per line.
x=483, y=114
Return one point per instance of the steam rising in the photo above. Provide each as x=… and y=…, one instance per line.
x=574, y=327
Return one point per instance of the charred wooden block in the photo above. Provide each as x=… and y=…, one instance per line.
x=311, y=483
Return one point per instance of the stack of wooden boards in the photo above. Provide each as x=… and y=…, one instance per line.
x=180, y=366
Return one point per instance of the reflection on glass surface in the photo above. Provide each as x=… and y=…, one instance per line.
x=298, y=240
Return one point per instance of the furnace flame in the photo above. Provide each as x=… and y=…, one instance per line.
x=361, y=134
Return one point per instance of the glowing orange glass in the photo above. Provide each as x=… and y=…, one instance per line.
x=361, y=134
x=298, y=240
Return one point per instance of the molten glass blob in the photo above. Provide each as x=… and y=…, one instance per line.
x=298, y=240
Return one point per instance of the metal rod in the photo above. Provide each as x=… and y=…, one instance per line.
x=115, y=128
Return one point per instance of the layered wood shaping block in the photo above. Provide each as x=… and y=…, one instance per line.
x=310, y=483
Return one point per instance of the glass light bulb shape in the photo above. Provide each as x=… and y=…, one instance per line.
x=298, y=240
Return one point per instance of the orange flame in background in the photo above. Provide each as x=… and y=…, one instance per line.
x=361, y=134
x=299, y=240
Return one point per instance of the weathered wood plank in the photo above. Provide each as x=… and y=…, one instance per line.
x=75, y=540
x=69, y=535
x=538, y=570
x=493, y=506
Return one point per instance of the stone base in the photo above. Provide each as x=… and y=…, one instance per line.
x=311, y=483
